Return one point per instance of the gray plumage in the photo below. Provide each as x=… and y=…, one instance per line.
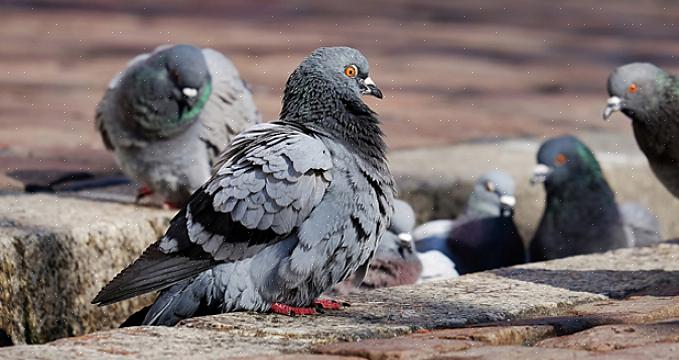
x=485, y=236
x=396, y=261
x=641, y=226
x=581, y=215
x=169, y=114
x=650, y=97
x=295, y=207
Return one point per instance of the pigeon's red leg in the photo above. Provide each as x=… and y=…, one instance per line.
x=143, y=191
x=283, y=309
x=327, y=304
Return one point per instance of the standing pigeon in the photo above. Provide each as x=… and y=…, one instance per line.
x=169, y=114
x=581, y=215
x=650, y=97
x=484, y=237
x=295, y=207
x=396, y=262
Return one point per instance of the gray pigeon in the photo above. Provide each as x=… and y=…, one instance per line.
x=295, y=207
x=581, y=215
x=169, y=114
x=485, y=236
x=650, y=97
x=396, y=262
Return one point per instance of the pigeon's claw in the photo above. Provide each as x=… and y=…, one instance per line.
x=142, y=192
x=327, y=304
x=283, y=309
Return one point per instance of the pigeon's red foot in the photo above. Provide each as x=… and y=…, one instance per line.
x=143, y=191
x=283, y=309
x=327, y=304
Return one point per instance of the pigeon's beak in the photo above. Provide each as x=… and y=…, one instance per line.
x=540, y=174
x=189, y=92
x=508, y=200
x=370, y=88
x=405, y=237
x=614, y=104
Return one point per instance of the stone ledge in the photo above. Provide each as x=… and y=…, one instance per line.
x=56, y=253
x=541, y=289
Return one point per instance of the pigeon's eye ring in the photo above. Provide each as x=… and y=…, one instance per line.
x=632, y=88
x=560, y=159
x=351, y=71
x=489, y=186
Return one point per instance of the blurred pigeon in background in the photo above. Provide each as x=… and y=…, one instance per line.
x=485, y=236
x=295, y=207
x=650, y=97
x=581, y=215
x=396, y=262
x=168, y=116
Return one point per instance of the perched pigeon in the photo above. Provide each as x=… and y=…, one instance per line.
x=581, y=215
x=484, y=237
x=650, y=97
x=395, y=262
x=295, y=207
x=169, y=114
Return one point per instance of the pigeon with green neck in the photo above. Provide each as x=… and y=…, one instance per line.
x=581, y=215
x=169, y=114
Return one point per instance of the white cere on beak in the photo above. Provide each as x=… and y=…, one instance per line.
x=405, y=237
x=508, y=200
x=540, y=173
x=613, y=104
x=189, y=92
x=369, y=81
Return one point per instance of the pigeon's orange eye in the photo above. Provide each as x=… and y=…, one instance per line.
x=560, y=159
x=351, y=71
x=632, y=88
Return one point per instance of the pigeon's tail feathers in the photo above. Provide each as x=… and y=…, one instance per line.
x=185, y=299
x=641, y=226
x=154, y=270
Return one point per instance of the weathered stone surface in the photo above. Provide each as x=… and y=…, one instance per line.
x=542, y=290
x=493, y=335
x=667, y=351
x=614, y=337
x=415, y=348
x=634, y=310
x=55, y=255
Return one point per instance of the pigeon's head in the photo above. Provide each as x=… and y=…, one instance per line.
x=565, y=160
x=170, y=88
x=633, y=89
x=186, y=69
x=338, y=72
x=403, y=220
x=493, y=195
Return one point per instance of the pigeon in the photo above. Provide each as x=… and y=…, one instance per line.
x=485, y=236
x=650, y=97
x=581, y=215
x=295, y=206
x=168, y=116
x=396, y=262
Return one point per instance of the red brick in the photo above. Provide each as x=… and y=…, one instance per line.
x=397, y=348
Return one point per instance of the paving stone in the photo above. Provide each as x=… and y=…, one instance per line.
x=662, y=351
x=398, y=348
x=492, y=335
x=514, y=353
x=633, y=310
x=614, y=337
x=55, y=255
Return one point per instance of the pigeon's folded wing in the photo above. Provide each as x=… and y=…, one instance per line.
x=268, y=182
x=641, y=226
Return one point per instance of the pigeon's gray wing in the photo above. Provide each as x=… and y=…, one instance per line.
x=641, y=226
x=230, y=109
x=105, y=111
x=270, y=180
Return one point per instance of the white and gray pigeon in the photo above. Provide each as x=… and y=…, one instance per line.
x=168, y=115
x=485, y=236
x=650, y=97
x=581, y=215
x=295, y=207
x=396, y=262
